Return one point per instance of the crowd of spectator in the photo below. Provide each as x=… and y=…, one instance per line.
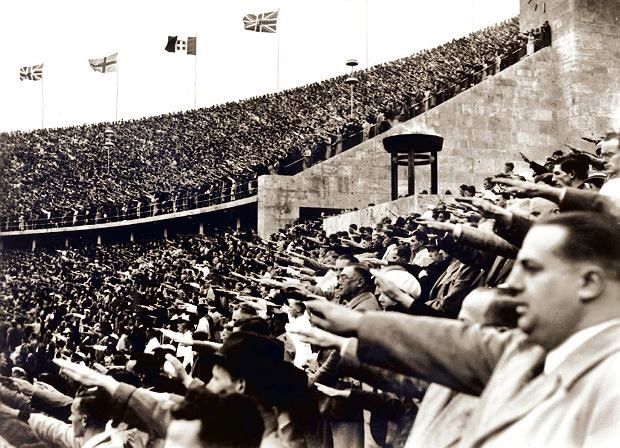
x=490, y=319
x=136, y=168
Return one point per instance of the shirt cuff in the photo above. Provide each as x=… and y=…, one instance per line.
x=457, y=232
x=348, y=353
x=123, y=393
x=562, y=194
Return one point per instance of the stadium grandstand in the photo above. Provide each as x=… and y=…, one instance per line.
x=484, y=316
x=169, y=163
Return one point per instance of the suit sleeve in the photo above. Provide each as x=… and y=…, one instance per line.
x=52, y=402
x=452, y=353
x=487, y=242
x=329, y=371
x=383, y=405
x=53, y=432
x=377, y=377
x=574, y=199
x=519, y=227
x=151, y=408
x=601, y=426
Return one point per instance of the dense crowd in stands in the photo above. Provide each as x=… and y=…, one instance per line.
x=491, y=319
x=137, y=168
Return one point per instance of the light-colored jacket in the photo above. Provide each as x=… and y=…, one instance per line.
x=60, y=434
x=576, y=405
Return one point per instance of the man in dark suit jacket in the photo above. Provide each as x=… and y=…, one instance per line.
x=355, y=290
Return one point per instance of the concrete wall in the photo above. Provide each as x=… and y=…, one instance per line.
x=553, y=97
x=483, y=127
x=370, y=216
x=586, y=38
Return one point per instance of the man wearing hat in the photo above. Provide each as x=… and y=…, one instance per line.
x=204, y=419
x=247, y=364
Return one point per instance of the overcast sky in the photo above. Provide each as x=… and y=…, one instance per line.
x=315, y=39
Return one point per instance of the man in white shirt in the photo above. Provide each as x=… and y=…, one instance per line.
x=298, y=320
x=185, y=353
x=610, y=153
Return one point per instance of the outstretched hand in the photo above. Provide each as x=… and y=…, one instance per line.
x=320, y=338
x=331, y=392
x=437, y=226
x=524, y=157
x=334, y=318
x=86, y=375
x=23, y=386
x=488, y=209
x=522, y=189
x=178, y=371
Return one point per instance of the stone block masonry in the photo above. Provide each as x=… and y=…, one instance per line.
x=552, y=97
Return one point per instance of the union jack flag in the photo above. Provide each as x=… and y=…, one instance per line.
x=105, y=65
x=32, y=73
x=265, y=22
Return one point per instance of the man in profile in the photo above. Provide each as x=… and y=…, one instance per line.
x=572, y=172
x=208, y=420
x=550, y=382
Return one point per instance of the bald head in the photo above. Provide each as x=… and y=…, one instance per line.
x=542, y=208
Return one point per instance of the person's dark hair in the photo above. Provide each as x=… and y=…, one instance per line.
x=254, y=324
x=509, y=165
x=202, y=310
x=96, y=405
x=577, y=164
x=590, y=237
x=364, y=273
x=218, y=427
x=297, y=307
x=421, y=236
x=247, y=309
x=611, y=136
x=404, y=252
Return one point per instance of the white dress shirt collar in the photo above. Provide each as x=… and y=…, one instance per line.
x=559, y=354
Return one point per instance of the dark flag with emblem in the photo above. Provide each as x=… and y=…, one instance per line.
x=177, y=45
x=32, y=73
x=105, y=65
x=261, y=23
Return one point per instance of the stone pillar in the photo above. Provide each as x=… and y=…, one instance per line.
x=201, y=229
x=165, y=232
x=585, y=34
x=66, y=241
x=277, y=203
x=99, y=239
x=34, y=244
x=131, y=237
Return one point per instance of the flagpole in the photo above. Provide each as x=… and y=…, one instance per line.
x=366, y=30
x=195, y=70
x=42, y=106
x=278, y=31
x=116, y=109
